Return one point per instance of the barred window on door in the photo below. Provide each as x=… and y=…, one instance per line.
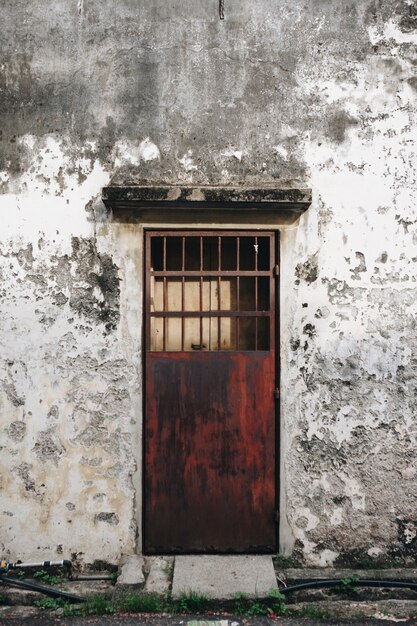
x=209, y=292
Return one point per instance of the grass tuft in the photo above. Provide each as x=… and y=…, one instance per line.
x=142, y=603
x=314, y=612
x=192, y=602
x=46, y=578
x=273, y=605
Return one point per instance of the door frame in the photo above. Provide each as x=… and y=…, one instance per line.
x=277, y=274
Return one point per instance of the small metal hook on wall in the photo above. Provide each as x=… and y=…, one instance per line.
x=221, y=9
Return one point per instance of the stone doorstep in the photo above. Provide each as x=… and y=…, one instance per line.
x=137, y=573
x=131, y=576
x=222, y=577
x=159, y=578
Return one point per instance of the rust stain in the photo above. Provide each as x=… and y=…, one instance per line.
x=210, y=452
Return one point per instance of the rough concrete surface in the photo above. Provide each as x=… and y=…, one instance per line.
x=131, y=577
x=393, y=611
x=20, y=612
x=222, y=577
x=160, y=573
x=315, y=94
x=308, y=573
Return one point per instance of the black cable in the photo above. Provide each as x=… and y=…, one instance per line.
x=341, y=582
x=47, y=591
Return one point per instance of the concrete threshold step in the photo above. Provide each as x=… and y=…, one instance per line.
x=222, y=577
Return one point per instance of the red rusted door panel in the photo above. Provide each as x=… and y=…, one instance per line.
x=210, y=447
x=209, y=462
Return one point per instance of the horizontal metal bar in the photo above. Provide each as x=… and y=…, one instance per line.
x=202, y=353
x=209, y=314
x=209, y=273
x=209, y=233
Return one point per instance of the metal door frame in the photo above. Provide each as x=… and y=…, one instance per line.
x=185, y=231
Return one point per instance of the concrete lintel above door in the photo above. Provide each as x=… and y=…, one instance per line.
x=130, y=202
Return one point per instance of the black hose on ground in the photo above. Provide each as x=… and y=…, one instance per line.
x=341, y=582
x=47, y=591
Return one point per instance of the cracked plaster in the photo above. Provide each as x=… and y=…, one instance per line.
x=309, y=95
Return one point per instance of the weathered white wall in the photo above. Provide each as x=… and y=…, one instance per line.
x=320, y=95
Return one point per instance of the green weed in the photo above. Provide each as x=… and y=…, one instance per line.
x=241, y=603
x=99, y=605
x=273, y=605
x=136, y=603
x=285, y=561
x=142, y=603
x=192, y=602
x=51, y=604
x=314, y=612
x=276, y=602
x=48, y=579
x=347, y=586
x=256, y=609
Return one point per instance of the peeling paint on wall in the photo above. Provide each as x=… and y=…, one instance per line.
x=307, y=95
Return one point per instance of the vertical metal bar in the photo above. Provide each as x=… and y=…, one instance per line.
x=183, y=254
x=219, y=254
x=164, y=332
x=182, y=294
x=148, y=279
x=164, y=298
x=201, y=294
x=238, y=293
x=272, y=299
x=256, y=291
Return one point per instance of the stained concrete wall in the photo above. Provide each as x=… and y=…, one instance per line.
x=319, y=94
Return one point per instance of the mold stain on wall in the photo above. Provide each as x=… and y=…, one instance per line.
x=307, y=94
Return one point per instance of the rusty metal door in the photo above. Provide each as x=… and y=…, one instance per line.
x=209, y=463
